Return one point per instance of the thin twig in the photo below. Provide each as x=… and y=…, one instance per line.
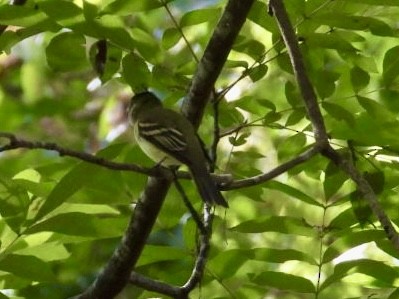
x=177, y=26
x=16, y=143
x=204, y=239
x=264, y=177
x=193, y=212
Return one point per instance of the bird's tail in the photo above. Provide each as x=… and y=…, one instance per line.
x=207, y=188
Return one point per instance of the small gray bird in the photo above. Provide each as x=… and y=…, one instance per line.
x=167, y=137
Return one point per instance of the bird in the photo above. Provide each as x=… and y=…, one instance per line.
x=169, y=139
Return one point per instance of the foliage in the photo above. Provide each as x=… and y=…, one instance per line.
x=66, y=77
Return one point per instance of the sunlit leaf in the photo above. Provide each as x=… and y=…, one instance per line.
x=376, y=269
x=281, y=224
x=80, y=224
x=390, y=65
x=359, y=78
x=283, y=281
x=28, y=267
x=170, y=37
x=291, y=191
x=200, y=16
x=136, y=72
x=257, y=72
x=62, y=57
x=349, y=240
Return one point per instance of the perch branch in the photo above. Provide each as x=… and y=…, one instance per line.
x=208, y=70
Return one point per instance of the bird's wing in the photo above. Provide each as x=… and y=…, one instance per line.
x=167, y=139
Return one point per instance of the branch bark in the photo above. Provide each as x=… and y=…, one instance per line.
x=316, y=118
x=114, y=277
x=215, y=56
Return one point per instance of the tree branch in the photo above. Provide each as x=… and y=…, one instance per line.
x=215, y=56
x=316, y=118
x=259, y=179
x=15, y=143
x=305, y=86
x=115, y=275
x=198, y=270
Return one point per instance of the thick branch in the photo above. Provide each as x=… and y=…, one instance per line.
x=116, y=273
x=309, y=96
x=215, y=56
x=306, y=88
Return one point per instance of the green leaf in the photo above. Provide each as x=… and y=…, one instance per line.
x=292, y=146
x=66, y=52
x=170, y=38
x=127, y=7
x=199, y=16
x=14, y=203
x=82, y=174
x=229, y=262
x=283, y=281
x=236, y=63
x=295, y=117
x=136, y=72
x=46, y=251
x=281, y=224
x=251, y=47
x=153, y=254
x=359, y=78
x=281, y=255
x=292, y=94
x=377, y=27
x=376, y=110
x=167, y=79
x=292, y=192
x=334, y=178
x=380, y=271
x=360, y=208
x=249, y=104
x=65, y=13
x=390, y=66
x=18, y=15
x=319, y=40
x=81, y=224
x=324, y=81
x=267, y=103
x=343, y=220
x=349, y=240
x=28, y=267
x=257, y=72
x=271, y=117
x=257, y=15
x=239, y=140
